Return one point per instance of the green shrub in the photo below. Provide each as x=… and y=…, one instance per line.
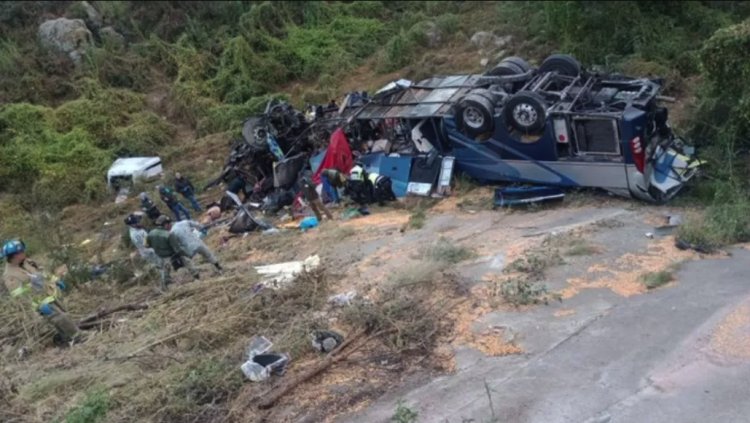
x=448, y=23
x=446, y=251
x=523, y=290
x=367, y=9
x=404, y=414
x=145, y=134
x=397, y=53
x=10, y=56
x=99, y=111
x=242, y=73
x=118, y=67
x=725, y=108
x=209, y=382
x=417, y=219
x=93, y=409
x=22, y=119
x=308, y=52
x=722, y=66
x=189, y=101
x=358, y=36
x=54, y=166
x=726, y=221
x=654, y=280
x=226, y=117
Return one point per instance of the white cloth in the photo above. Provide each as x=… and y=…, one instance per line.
x=185, y=235
x=138, y=238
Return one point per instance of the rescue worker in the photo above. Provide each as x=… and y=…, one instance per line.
x=30, y=287
x=187, y=244
x=311, y=196
x=381, y=188
x=170, y=199
x=158, y=239
x=138, y=237
x=148, y=207
x=333, y=180
x=186, y=188
x=359, y=186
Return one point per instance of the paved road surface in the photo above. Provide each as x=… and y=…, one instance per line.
x=678, y=354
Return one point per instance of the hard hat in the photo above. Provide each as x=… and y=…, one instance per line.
x=13, y=247
x=356, y=174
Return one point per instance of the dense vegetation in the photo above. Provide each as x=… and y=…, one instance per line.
x=217, y=62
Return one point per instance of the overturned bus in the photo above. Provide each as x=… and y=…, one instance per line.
x=557, y=124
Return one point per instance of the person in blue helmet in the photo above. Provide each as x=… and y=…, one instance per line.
x=27, y=285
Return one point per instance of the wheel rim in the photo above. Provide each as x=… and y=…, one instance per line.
x=525, y=114
x=473, y=117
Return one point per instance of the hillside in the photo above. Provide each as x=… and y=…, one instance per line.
x=177, y=79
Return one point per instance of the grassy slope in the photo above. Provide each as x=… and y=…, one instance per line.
x=186, y=151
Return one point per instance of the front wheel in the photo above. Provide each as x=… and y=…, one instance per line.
x=526, y=112
x=475, y=115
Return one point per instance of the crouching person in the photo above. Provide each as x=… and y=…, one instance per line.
x=184, y=240
x=138, y=237
x=382, y=190
x=29, y=287
x=158, y=240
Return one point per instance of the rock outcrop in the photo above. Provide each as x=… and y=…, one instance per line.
x=69, y=36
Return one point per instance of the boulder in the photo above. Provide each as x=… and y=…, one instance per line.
x=69, y=36
x=482, y=39
x=488, y=41
x=110, y=35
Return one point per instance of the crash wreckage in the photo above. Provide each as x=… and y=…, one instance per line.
x=557, y=125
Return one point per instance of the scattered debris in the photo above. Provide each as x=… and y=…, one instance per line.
x=310, y=222
x=507, y=197
x=268, y=399
x=261, y=364
x=279, y=275
x=343, y=299
x=95, y=320
x=674, y=220
x=326, y=341
x=683, y=245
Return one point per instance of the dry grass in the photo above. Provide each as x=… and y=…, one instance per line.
x=654, y=280
x=180, y=360
x=448, y=252
x=407, y=310
x=580, y=247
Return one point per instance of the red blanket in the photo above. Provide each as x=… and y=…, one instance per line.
x=338, y=156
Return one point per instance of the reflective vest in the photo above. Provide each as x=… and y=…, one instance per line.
x=35, y=287
x=357, y=174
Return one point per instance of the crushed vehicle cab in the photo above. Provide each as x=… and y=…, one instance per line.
x=557, y=124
